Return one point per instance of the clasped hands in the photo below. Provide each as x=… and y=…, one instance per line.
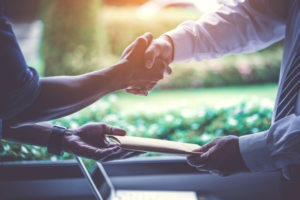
x=146, y=63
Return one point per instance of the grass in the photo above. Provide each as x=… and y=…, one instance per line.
x=207, y=97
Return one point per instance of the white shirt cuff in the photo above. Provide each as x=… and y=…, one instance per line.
x=182, y=45
x=255, y=153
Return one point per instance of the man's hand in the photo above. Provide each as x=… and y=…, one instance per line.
x=221, y=156
x=89, y=141
x=143, y=79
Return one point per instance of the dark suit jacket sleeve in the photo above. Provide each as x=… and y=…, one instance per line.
x=19, y=84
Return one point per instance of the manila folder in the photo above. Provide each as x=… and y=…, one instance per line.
x=154, y=145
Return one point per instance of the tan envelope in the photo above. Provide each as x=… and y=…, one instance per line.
x=154, y=145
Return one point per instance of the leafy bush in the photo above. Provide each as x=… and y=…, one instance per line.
x=197, y=125
x=73, y=39
x=10, y=151
x=261, y=67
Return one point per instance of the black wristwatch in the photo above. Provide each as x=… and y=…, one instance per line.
x=54, y=145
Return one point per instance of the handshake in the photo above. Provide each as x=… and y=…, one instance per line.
x=147, y=61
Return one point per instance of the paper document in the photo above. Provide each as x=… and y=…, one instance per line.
x=154, y=145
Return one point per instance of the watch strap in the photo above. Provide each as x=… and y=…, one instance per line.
x=54, y=145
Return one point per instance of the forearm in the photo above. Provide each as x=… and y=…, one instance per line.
x=61, y=96
x=246, y=27
x=276, y=148
x=33, y=134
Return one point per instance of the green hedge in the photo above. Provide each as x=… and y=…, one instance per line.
x=244, y=69
x=74, y=39
x=198, y=125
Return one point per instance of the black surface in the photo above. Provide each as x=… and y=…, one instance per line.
x=37, y=170
x=64, y=180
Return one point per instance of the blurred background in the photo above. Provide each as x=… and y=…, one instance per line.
x=197, y=103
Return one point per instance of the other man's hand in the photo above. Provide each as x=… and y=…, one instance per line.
x=221, y=156
x=160, y=48
x=89, y=141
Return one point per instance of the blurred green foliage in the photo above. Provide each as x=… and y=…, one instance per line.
x=197, y=125
x=244, y=69
x=125, y=24
x=73, y=39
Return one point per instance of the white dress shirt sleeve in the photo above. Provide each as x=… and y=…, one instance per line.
x=247, y=26
x=274, y=149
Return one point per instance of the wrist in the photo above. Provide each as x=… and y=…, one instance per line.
x=66, y=140
x=121, y=74
x=55, y=140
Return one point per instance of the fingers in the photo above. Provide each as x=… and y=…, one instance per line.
x=113, y=152
x=151, y=53
x=141, y=87
x=159, y=48
x=205, y=147
x=112, y=130
x=159, y=69
x=148, y=38
x=140, y=43
x=100, y=154
x=198, y=160
x=202, y=160
x=83, y=149
x=141, y=92
x=121, y=154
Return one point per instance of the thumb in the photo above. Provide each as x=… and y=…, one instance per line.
x=112, y=130
x=197, y=160
x=148, y=38
x=151, y=53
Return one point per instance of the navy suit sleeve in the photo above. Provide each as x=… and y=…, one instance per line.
x=19, y=84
